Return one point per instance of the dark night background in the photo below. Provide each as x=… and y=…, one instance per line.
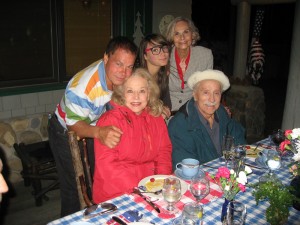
x=216, y=21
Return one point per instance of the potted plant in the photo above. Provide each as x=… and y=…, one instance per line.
x=279, y=197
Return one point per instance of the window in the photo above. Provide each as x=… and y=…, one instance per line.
x=47, y=41
x=29, y=42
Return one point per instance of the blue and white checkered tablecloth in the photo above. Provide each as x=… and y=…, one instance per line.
x=212, y=210
x=124, y=203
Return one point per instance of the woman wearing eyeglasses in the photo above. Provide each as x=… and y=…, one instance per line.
x=153, y=55
x=185, y=59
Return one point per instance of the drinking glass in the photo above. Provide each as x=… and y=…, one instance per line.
x=236, y=214
x=199, y=187
x=192, y=214
x=171, y=192
x=239, y=158
x=273, y=162
x=227, y=148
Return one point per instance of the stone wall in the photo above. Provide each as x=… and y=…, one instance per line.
x=247, y=104
x=26, y=129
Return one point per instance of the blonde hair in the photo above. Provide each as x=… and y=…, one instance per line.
x=154, y=105
x=169, y=34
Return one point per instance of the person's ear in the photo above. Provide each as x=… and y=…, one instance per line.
x=146, y=57
x=105, y=58
x=195, y=96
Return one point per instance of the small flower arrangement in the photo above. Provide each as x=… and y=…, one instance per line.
x=292, y=143
x=295, y=168
x=231, y=182
x=292, y=138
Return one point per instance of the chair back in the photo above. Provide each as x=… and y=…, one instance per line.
x=82, y=169
x=38, y=164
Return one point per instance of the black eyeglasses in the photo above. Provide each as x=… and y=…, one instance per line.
x=157, y=49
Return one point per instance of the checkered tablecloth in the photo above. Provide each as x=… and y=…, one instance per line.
x=212, y=209
x=215, y=193
x=124, y=203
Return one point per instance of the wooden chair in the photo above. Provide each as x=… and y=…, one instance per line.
x=82, y=169
x=38, y=165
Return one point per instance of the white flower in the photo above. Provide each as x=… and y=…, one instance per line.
x=295, y=133
x=242, y=178
x=227, y=188
x=248, y=170
x=296, y=157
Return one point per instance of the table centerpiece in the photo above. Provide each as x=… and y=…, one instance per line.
x=231, y=182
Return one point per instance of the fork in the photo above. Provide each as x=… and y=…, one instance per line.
x=153, y=192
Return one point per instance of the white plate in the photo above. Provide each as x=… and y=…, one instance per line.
x=251, y=151
x=184, y=185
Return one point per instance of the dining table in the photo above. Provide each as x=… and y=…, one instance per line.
x=134, y=205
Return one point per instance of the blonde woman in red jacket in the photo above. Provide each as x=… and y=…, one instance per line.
x=145, y=148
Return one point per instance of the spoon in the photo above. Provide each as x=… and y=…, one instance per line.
x=108, y=206
x=153, y=192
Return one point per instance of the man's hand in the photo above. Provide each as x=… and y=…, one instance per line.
x=110, y=136
x=166, y=113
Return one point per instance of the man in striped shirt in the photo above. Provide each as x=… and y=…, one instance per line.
x=81, y=106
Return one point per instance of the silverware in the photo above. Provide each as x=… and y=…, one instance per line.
x=209, y=166
x=108, y=206
x=152, y=192
x=137, y=191
x=118, y=220
x=256, y=147
x=256, y=167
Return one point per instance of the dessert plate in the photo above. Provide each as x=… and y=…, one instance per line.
x=252, y=151
x=143, y=184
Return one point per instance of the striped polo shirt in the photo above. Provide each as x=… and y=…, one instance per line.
x=85, y=96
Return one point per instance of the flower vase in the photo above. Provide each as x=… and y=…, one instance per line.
x=227, y=212
x=295, y=183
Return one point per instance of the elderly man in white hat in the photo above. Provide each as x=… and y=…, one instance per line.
x=197, y=129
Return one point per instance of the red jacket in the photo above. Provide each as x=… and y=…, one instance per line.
x=144, y=150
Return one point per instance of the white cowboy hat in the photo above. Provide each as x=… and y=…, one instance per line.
x=209, y=75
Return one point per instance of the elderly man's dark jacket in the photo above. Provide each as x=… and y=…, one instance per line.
x=190, y=138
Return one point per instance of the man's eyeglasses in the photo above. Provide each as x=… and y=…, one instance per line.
x=157, y=49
